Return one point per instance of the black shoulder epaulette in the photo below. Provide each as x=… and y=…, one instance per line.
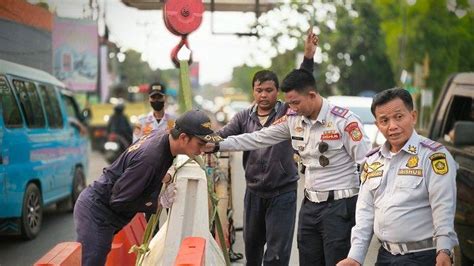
x=372, y=151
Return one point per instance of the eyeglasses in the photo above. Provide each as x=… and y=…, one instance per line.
x=323, y=147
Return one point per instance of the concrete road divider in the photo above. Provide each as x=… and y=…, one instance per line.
x=63, y=254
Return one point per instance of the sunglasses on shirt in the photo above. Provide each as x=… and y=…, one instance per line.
x=323, y=160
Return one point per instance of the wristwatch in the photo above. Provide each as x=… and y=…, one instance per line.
x=447, y=252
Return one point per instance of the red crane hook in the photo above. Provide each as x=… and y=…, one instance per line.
x=181, y=18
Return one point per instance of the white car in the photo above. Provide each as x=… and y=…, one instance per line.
x=361, y=107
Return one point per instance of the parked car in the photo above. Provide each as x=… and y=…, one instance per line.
x=43, y=148
x=361, y=107
x=453, y=125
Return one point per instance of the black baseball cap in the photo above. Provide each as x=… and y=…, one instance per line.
x=156, y=88
x=198, y=124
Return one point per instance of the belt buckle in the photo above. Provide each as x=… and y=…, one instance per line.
x=394, y=248
x=310, y=197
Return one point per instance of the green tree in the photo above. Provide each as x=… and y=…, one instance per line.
x=358, y=50
x=352, y=46
x=134, y=70
x=242, y=79
x=443, y=31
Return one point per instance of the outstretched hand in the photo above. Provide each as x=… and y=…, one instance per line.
x=168, y=196
x=310, y=44
x=208, y=148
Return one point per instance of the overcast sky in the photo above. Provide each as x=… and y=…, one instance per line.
x=145, y=32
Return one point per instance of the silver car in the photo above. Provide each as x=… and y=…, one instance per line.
x=361, y=107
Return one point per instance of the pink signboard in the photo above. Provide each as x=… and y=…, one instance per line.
x=75, y=53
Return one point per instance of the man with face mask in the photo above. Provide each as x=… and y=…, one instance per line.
x=157, y=119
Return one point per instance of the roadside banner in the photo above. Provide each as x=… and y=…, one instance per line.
x=75, y=56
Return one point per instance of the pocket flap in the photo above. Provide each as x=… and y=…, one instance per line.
x=408, y=181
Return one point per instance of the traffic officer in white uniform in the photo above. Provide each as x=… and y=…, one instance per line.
x=331, y=142
x=157, y=119
x=408, y=192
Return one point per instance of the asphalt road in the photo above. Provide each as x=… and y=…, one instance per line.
x=57, y=227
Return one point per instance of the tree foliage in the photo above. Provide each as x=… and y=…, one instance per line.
x=437, y=29
x=242, y=78
x=134, y=70
x=352, y=58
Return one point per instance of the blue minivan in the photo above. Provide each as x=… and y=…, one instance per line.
x=43, y=148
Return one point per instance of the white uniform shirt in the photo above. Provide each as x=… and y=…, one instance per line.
x=338, y=127
x=407, y=197
x=147, y=123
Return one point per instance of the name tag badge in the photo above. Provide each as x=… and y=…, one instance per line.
x=297, y=138
x=415, y=172
x=331, y=136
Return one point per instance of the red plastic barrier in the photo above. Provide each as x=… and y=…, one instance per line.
x=65, y=253
x=131, y=234
x=192, y=252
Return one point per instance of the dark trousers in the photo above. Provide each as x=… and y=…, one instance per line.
x=270, y=221
x=422, y=258
x=94, y=231
x=324, y=231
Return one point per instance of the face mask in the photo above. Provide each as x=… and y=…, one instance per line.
x=157, y=106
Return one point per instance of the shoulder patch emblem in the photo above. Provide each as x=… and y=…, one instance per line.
x=439, y=163
x=280, y=120
x=431, y=144
x=354, y=131
x=339, y=111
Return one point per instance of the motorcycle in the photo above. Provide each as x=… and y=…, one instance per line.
x=114, y=147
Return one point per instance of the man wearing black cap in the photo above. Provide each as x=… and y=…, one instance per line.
x=157, y=119
x=133, y=183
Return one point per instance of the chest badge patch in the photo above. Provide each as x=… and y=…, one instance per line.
x=374, y=170
x=412, y=162
x=354, y=131
x=148, y=204
x=363, y=175
x=147, y=129
x=375, y=166
x=298, y=129
x=439, y=163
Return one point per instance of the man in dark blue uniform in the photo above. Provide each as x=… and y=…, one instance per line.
x=133, y=182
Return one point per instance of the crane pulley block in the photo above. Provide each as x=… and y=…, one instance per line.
x=183, y=16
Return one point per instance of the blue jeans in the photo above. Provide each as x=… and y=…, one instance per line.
x=270, y=221
x=324, y=231
x=421, y=258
